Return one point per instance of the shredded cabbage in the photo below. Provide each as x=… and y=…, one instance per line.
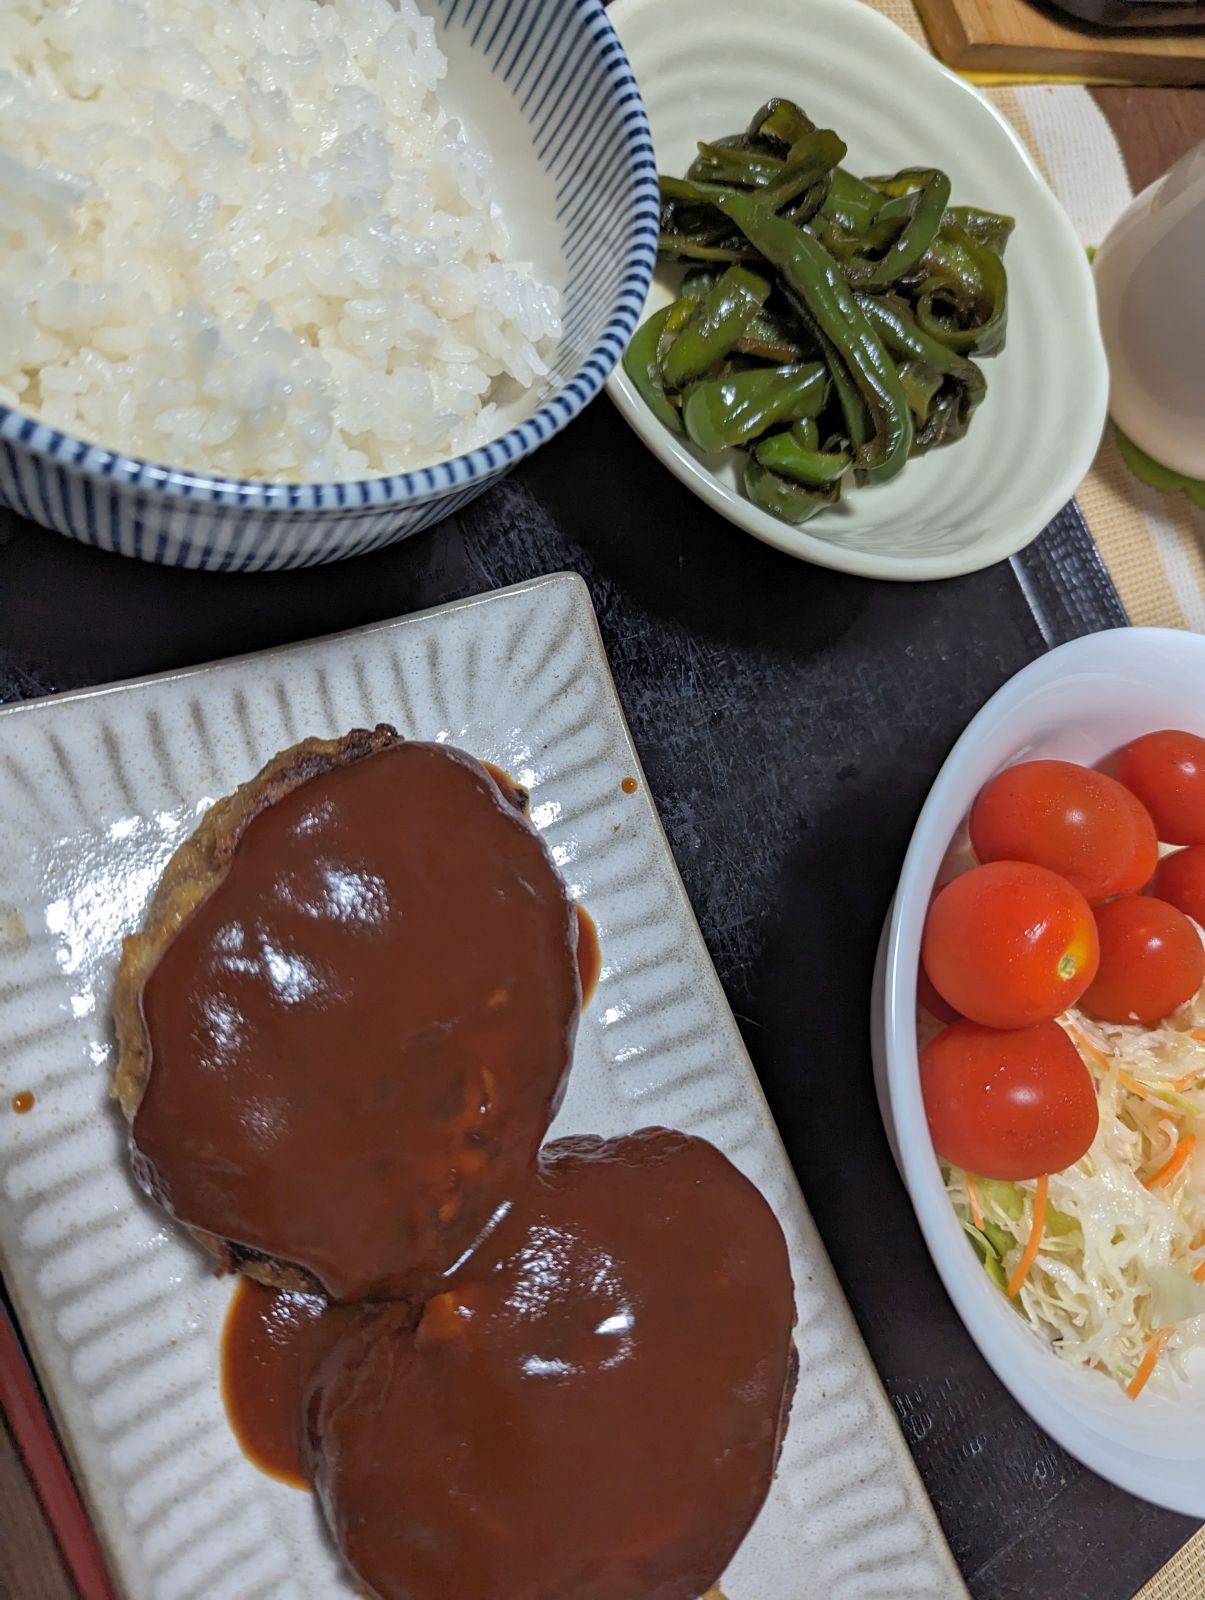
x=1117, y=1260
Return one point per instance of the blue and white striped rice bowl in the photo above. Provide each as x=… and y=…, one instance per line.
x=545, y=84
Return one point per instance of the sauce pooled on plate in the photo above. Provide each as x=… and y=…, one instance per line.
x=273, y=1342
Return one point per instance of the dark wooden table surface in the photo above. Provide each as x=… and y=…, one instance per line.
x=1154, y=127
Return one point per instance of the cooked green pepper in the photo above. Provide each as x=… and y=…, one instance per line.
x=928, y=192
x=851, y=203
x=963, y=297
x=694, y=232
x=861, y=247
x=809, y=203
x=809, y=164
x=779, y=122
x=893, y=318
x=680, y=313
x=857, y=428
x=642, y=360
x=963, y=385
x=717, y=322
x=789, y=502
x=775, y=336
x=947, y=422
x=787, y=456
x=680, y=247
x=699, y=280
x=721, y=412
x=989, y=227
x=881, y=281
x=921, y=384
x=723, y=163
x=813, y=278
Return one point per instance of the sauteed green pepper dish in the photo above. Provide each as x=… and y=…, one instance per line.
x=826, y=323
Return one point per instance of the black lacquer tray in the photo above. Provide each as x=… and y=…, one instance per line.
x=790, y=721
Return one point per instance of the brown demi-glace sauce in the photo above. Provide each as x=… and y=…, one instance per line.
x=590, y=1410
x=360, y=1035
x=587, y=1405
x=589, y=956
x=22, y=1101
x=272, y=1344
x=511, y=789
x=274, y=1339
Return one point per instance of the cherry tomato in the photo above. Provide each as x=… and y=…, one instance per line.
x=1151, y=961
x=1146, y=848
x=1009, y=944
x=1079, y=823
x=1166, y=770
x=1180, y=881
x=1012, y=1104
x=928, y=997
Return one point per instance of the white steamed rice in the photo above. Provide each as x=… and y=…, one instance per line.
x=242, y=237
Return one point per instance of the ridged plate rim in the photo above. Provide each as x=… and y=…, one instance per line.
x=659, y=1043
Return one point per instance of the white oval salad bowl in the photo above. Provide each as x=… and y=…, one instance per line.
x=1078, y=703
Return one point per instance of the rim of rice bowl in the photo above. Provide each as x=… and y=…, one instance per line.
x=41, y=437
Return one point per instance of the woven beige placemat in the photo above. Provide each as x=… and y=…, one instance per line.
x=1153, y=544
x=1183, y=1578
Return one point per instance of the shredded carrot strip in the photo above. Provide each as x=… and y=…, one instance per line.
x=1174, y=1164
x=1199, y=1034
x=1144, y=1091
x=1035, y=1238
x=1146, y=1366
x=1199, y=1275
x=1088, y=1047
x=973, y=1200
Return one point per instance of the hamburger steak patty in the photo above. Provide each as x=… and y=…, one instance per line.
x=347, y=1021
x=592, y=1407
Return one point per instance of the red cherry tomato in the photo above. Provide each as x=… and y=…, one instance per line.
x=1166, y=770
x=1180, y=881
x=1146, y=847
x=1009, y=944
x=1010, y=1105
x=928, y=997
x=1151, y=961
x=1079, y=823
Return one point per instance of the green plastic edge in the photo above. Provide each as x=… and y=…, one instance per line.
x=1151, y=472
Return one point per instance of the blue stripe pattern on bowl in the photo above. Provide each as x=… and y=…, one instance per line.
x=564, y=66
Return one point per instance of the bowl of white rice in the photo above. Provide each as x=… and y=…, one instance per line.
x=283, y=281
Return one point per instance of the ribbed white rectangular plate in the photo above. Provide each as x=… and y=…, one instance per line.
x=124, y=1316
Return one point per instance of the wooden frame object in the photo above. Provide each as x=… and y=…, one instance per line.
x=1015, y=37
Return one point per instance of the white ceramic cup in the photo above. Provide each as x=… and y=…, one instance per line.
x=1150, y=283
